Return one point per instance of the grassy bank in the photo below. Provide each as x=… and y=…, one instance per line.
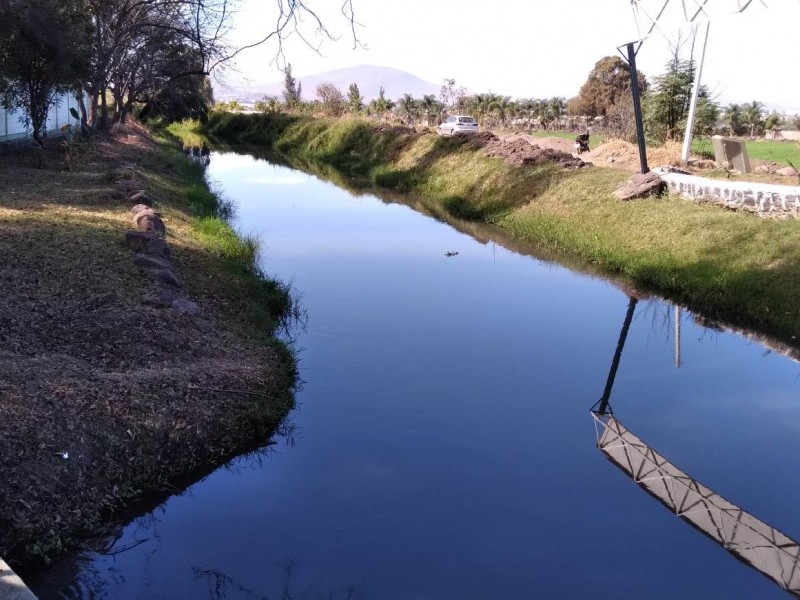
x=729, y=266
x=107, y=394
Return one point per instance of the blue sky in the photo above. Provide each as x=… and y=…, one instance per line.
x=544, y=48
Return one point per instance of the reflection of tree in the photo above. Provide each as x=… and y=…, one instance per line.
x=83, y=574
x=222, y=586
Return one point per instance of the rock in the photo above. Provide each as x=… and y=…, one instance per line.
x=139, y=196
x=143, y=213
x=186, y=307
x=160, y=298
x=701, y=163
x=158, y=247
x=152, y=223
x=139, y=208
x=166, y=276
x=150, y=261
x=787, y=172
x=765, y=168
x=641, y=186
x=138, y=240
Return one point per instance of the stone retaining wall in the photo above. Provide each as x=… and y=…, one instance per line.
x=11, y=586
x=764, y=199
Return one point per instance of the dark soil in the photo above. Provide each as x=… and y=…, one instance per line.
x=519, y=152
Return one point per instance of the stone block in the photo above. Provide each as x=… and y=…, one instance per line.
x=137, y=240
x=151, y=223
x=150, y=261
x=166, y=276
x=731, y=152
x=158, y=247
x=641, y=186
x=186, y=307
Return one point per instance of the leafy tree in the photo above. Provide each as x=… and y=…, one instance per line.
x=450, y=95
x=269, y=104
x=408, y=108
x=734, y=119
x=431, y=108
x=185, y=98
x=381, y=105
x=500, y=108
x=666, y=104
x=556, y=108
x=608, y=83
x=754, y=117
x=773, y=122
x=44, y=50
x=230, y=106
x=291, y=88
x=355, y=100
x=332, y=99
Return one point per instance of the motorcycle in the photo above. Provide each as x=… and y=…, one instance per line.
x=582, y=143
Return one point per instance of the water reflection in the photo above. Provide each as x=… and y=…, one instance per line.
x=198, y=154
x=749, y=539
x=445, y=454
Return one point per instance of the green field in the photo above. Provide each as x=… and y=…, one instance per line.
x=784, y=153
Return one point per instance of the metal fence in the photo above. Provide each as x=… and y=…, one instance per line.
x=13, y=127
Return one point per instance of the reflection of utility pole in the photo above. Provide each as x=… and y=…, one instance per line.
x=617, y=355
x=678, y=337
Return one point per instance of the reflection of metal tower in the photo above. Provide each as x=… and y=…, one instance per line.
x=750, y=540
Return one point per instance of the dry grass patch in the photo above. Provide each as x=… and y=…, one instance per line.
x=102, y=395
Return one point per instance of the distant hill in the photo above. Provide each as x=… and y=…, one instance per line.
x=369, y=79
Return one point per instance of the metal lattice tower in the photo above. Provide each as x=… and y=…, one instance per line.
x=665, y=16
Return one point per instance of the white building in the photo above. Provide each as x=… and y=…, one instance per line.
x=12, y=126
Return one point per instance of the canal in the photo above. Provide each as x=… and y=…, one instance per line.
x=443, y=446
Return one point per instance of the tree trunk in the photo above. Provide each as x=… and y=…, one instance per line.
x=81, y=106
x=103, y=108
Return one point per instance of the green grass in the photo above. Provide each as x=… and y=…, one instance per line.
x=260, y=304
x=187, y=131
x=730, y=266
x=784, y=153
x=779, y=152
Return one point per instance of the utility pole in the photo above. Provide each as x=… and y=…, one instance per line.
x=637, y=108
x=678, y=337
x=687, y=138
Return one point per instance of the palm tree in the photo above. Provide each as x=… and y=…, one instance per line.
x=734, y=118
x=431, y=108
x=500, y=108
x=555, y=109
x=482, y=104
x=754, y=116
x=408, y=108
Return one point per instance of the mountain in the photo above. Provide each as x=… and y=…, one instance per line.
x=369, y=79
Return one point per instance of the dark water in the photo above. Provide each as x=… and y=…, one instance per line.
x=444, y=446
